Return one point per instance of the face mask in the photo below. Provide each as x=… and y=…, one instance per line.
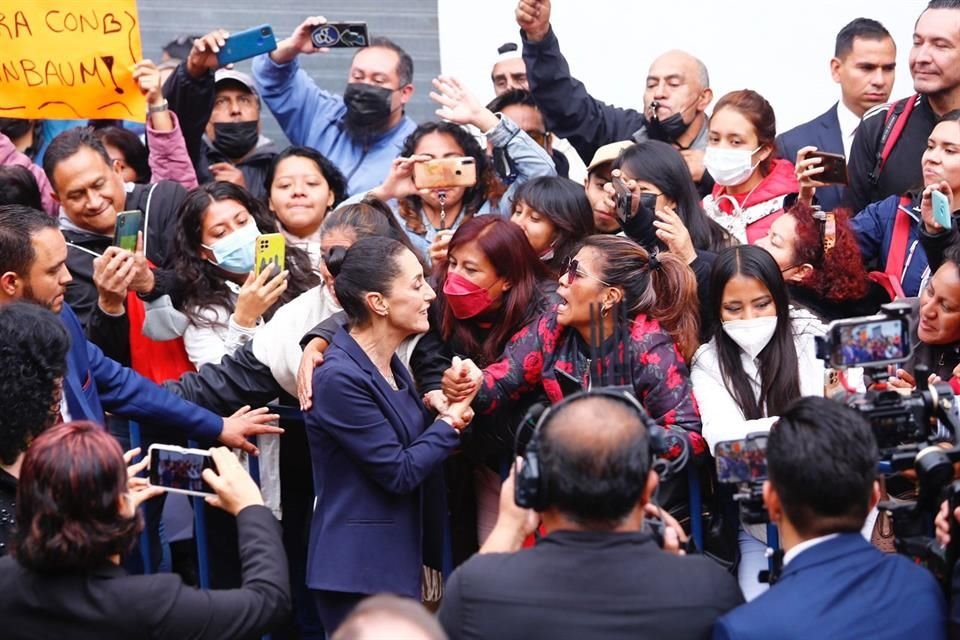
x=235, y=252
x=368, y=109
x=729, y=167
x=667, y=130
x=465, y=298
x=236, y=139
x=751, y=335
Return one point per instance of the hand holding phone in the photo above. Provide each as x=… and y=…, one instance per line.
x=941, y=209
x=179, y=469
x=834, y=167
x=270, y=249
x=129, y=224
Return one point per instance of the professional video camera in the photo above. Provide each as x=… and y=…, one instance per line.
x=903, y=424
x=915, y=430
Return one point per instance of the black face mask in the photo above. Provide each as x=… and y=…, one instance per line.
x=666, y=130
x=368, y=109
x=235, y=139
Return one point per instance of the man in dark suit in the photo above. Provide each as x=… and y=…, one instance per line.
x=863, y=65
x=33, y=267
x=821, y=462
x=597, y=573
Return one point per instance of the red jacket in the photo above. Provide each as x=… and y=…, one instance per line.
x=780, y=182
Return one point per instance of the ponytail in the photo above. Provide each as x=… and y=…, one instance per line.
x=660, y=286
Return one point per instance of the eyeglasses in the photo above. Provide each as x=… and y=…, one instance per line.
x=571, y=267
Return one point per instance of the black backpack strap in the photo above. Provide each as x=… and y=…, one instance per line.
x=890, y=134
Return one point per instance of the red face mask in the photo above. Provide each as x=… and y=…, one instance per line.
x=465, y=298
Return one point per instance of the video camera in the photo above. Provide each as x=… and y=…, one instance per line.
x=744, y=463
x=903, y=424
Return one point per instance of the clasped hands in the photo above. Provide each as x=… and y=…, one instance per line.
x=461, y=382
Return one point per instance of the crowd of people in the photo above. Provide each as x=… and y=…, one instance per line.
x=499, y=394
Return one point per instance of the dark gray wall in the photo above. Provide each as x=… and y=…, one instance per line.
x=411, y=23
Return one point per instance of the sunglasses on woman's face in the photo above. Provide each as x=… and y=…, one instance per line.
x=571, y=267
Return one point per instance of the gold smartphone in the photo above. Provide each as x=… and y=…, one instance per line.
x=271, y=248
x=445, y=172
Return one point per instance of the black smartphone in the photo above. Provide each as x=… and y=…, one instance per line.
x=742, y=460
x=249, y=43
x=870, y=341
x=341, y=35
x=129, y=224
x=180, y=470
x=647, y=203
x=834, y=167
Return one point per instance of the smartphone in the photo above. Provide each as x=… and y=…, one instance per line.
x=271, y=248
x=129, y=224
x=445, y=172
x=874, y=340
x=247, y=44
x=341, y=35
x=741, y=461
x=179, y=469
x=625, y=211
x=941, y=209
x=834, y=167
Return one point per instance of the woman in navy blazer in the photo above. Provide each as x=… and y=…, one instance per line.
x=376, y=451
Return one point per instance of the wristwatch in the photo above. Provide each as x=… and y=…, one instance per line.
x=158, y=108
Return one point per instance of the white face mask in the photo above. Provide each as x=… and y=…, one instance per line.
x=751, y=335
x=729, y=167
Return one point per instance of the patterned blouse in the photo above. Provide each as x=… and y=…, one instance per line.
x=660, y=376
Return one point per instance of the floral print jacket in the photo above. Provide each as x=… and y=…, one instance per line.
x=661, y=379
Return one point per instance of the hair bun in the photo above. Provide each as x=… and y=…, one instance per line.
x=334, y=259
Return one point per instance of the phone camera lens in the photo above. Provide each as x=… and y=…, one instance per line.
x=459, y=173
x=265, y=31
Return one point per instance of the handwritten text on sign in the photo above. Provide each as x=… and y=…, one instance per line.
x=69, y=59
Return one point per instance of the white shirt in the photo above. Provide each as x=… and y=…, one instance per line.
x=849, y=121
x=803, y=546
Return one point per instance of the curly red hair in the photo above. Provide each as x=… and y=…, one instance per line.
x=838, y=275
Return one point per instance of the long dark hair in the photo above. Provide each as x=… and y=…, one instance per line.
x=664, y=289
x=779, y=368
x=134, y=152
x=488, y=185
x=565, y=204
x=511, y=255
x=69, y=494
x=203, y=284
x=662, y=166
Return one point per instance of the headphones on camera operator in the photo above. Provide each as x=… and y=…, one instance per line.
x=531, y=487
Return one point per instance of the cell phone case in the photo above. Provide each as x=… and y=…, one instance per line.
x=941, y=209
x=445, y=172
x=341, y=35
x=271, y=248
x=128, y=226
x=834, y=168
x=247, y=44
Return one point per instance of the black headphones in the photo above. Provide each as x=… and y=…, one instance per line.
x=530, y=487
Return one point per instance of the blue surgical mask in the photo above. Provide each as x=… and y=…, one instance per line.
x=235, y=251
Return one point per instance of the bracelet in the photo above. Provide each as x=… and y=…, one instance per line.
x=158, y=108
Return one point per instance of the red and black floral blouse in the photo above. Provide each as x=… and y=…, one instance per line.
x=661, y=379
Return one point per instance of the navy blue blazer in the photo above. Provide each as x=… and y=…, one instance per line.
x=94, y=383
x=824, y=133
x=843, y=588
x=375, y=455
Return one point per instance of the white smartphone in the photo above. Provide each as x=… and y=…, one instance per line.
x=179, y=469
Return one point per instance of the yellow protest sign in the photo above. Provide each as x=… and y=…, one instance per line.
x=69, y=59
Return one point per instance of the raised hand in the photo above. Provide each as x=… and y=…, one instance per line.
x=203, y=54
x=300, y=41
x=533, y=16
x=806, y=170
x=459, y=105
x=245, y=423
x=258, y=293
x=235, y=489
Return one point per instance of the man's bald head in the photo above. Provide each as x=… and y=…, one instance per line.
x=679, y=83
x=595, y=457
x=389, y=616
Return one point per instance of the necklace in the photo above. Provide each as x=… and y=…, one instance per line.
x=391, y=380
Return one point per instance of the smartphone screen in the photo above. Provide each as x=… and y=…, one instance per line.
x=128, y=226
x=180, y=470
x=879, y=341
x=742, y=460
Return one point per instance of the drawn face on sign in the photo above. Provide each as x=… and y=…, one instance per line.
x=90, y=190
